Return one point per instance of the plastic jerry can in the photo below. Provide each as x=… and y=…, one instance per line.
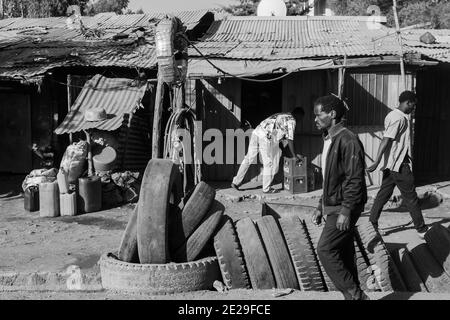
x=63, y=181
x=89, y=194
x=68, y=204
x=49, y=199
x=31, y=199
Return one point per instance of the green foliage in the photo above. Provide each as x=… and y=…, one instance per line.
x=249, y=7
x=410, y=12
x=99, y=6
x=55, y=8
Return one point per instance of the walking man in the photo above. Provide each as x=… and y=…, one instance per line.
x=343, y=199
x=265, y=139
x=397, y=171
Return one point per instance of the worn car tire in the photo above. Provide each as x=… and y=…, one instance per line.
x=302, y=254
x=314, y=233
x=230, y=257
x=168, y=278
x=190, y=250
x=278, y=253
x=158, y=186
x=258, y=266
x=438, y=240
x=128, y=250
x=183, y=224
x=373, y=246
x=365, y=274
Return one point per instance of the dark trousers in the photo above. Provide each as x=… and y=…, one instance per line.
x=336, y=251
x=404, y=180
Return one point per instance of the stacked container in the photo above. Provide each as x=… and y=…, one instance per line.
x=68, y=200
x=295, y=175
x=49, y=199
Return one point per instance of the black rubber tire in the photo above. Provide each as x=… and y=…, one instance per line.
x=128, y=250
x=277, y=251
x=438, y=240
x=413, y=281
x=302, y=254
x=168, y=278
x=258, y=266
x=230, y=257
x=374, y=248
x=154, y=206
x=190, y=250
x=365, y=274
x=192, y=212
x=314, y=233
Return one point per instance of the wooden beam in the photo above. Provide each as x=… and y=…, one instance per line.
x=69, y=101
x=400, y=42
x=157, y=119
x=90, y=161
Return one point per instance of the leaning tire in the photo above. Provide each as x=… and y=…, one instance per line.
x=373, y=246
x=193, y=211
x=168, y=278
x=128, y=250
x=157, y=187
x=230, y=257
x=314, y=233
x=259, y=270
x=302, y=254
x=190, y=250
x=278, y=253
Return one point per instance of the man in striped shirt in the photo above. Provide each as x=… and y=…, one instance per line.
x=265, y=140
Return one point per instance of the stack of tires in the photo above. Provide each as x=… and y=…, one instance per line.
x=167, y=244
x=267, y=253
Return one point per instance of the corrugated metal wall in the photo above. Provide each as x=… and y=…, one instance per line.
x=371, y=95
x=432, y=129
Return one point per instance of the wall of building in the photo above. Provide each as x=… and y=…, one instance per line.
x=432, y=129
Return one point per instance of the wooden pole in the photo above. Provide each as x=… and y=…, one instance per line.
x=342, y=78
x=69, y=101
x=157, y=115
x=400, y=42
x=90, y=161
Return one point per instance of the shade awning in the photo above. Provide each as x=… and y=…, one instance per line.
x=198, y=68
x=118, y=96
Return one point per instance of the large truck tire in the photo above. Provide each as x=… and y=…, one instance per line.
x=168, y=278
x=278, y=253
x=373, y=246
x=438, y=240
x=192, y=212
x=128, y=250
x=314, y=233
x=157, y=191
x=258, y=266
x=230, y=257
x=190, y=250
x=302, y=254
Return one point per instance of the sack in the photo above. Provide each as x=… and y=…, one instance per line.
x=74, y=160
x=38, y=176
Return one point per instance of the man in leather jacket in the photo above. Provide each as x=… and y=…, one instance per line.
x=344, y=196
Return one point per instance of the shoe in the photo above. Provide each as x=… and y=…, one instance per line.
x=422, y=234
x=271, y=190
x=235, y=187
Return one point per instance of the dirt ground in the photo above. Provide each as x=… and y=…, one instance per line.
x=30, y=244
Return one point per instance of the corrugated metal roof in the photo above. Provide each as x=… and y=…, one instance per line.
x=251, y=68
x=31, y=47
x=273, y=38
x=116, y=95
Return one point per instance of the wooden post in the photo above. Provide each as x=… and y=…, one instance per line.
x=90, y=161
x=400, y=42
x=178, y=97
x=342, y=78
x=69, y=101
x=157, y=115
